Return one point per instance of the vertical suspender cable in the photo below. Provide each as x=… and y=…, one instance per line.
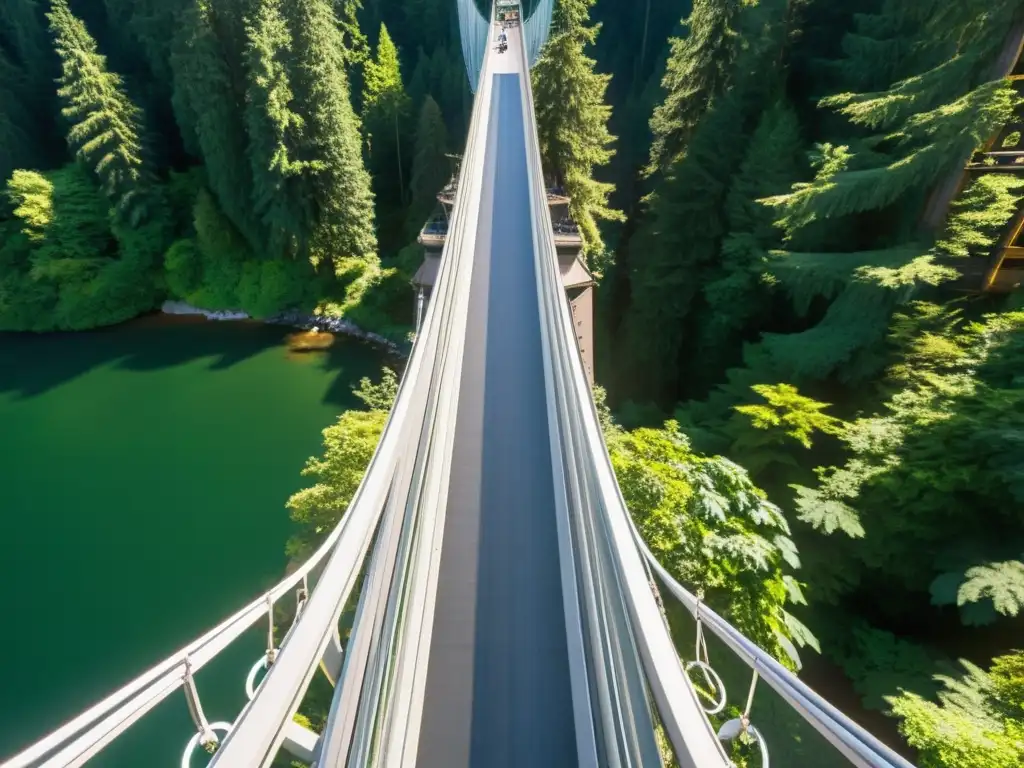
x=474, y=29
x=537, y=29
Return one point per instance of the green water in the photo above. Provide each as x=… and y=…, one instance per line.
x=143, y=472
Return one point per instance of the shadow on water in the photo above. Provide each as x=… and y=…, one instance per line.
x=33, y=364
x=143, y=473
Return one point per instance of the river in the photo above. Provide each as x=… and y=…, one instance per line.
x=143, y=475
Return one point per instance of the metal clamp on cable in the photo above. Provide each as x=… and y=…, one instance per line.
x=739, y=726
x=205, y=734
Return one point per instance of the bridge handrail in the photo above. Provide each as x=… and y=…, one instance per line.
x=853, y=741
x=392, y=650
x=856, y=743
x=121, y=709
x=259, y=729
x=694, y=741
x=162, y=679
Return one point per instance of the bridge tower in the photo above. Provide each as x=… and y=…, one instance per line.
x=577, y=281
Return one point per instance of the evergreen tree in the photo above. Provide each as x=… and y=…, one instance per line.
x=281, y=179
x=340, y=188
x=23, y=34
x=679, y=240
x=737, y=290
x=353, y=41
x=572, y=121
x=918, y=128
x=385, y=112
x=152, y=22
x=207, y=107
x=17, y=143
x=105, y=125
x=430, y=167
x=699, y=68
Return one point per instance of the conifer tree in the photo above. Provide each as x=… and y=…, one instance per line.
x=572, y=121
x=353, y=41
x=152, y=23
x=105, y=125
x=385, y=113
x=918, y=128
x=736, y=290
x=699, y=68
x=23, y=33
x=17, y=145
x=281, y=179
x=430, y=166
x=677, y=251
x=206, y=104
x=340, y=189
x=678, y=242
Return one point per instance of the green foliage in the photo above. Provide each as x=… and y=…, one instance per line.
x=65, y=266
x=105, y=130
x=386, y=111
x=737, y=294
x=348, y=447
x=879, y=663
x=31, y=194
x=980, y=213
x=999, y=587
x=381, y=396
x=952, y=430
x=382, y=86
x=714, y=531
x=978, y=721
x=340, y=190
x=205, y=95
x=687, y=278
x=281, y=186
x=354, y=46
x=182, y=268
x=572, y=122
x=789, y=414
x=826, y=514
x=699, y=68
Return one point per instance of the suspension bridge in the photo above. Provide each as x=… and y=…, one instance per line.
x=506, y=607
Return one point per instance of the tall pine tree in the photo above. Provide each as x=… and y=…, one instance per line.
x=572, y=121
x=699, y=68
x=207, y=102
x=385, y=114
x=340, y=188
x=737, y=295
x=105, y=130
x=281, y=179
x=677, y=252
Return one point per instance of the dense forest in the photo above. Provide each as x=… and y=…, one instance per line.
x=236, y=154
x=810, y=418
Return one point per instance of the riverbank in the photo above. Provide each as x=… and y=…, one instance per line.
x=300, y=320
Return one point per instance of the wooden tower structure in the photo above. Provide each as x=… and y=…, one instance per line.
x=1003, y=271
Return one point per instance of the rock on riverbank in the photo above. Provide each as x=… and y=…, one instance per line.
x=301, y=320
